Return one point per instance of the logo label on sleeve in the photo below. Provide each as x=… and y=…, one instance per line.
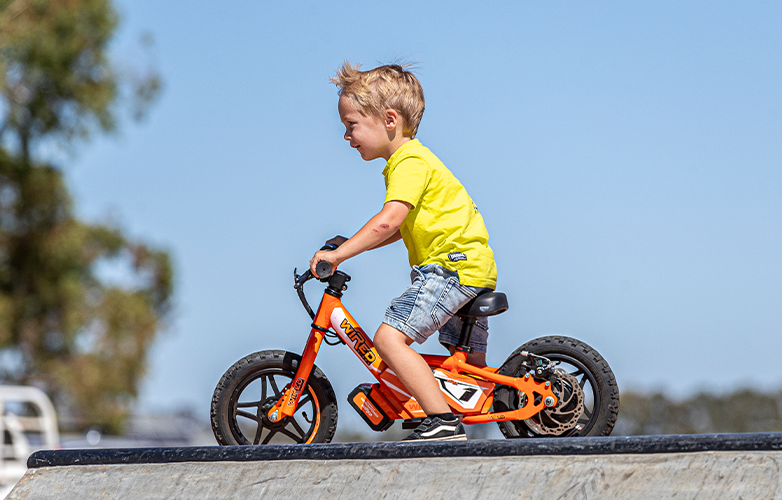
x=456, y=256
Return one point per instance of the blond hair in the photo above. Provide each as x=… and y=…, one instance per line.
x=385, y=87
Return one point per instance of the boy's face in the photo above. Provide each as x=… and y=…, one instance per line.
x=368, y=134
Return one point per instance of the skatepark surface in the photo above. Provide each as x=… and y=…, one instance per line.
x=729, y=466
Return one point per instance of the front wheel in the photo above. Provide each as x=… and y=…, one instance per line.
x=248, y=390
x=588, y=395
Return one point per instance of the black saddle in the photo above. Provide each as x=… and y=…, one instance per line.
x=485, y=304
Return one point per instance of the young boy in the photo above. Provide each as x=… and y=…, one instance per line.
x=441, y=227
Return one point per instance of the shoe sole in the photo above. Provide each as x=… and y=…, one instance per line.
x=447, y=438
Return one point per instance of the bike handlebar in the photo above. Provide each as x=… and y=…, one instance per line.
x=323, y=268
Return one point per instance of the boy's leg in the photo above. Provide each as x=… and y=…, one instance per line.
x=412, y=317
x=410, y=368
x=440, y=424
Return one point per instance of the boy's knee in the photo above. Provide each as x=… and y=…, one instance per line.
x=389, y=338
x=383, y=340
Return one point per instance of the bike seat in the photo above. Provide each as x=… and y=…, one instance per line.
x=485, y=304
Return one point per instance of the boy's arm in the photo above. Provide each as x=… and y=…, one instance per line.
x=338, y=240
x=381, y=229
x=394, y=237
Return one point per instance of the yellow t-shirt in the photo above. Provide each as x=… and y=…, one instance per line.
x=444, y=226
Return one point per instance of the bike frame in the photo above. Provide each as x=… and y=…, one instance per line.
x=468, y=389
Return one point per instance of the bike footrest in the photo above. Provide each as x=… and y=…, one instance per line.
x=362, y=400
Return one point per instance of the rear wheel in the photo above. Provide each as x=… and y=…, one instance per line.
x=248, y=390
x=588, y=395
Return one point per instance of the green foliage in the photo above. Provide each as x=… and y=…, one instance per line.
x=55, y=78
x=62, y=327
x=742, y=411
x=55, y=74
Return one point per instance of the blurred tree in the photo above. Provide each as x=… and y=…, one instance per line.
x=741, y=411
x=83, y=339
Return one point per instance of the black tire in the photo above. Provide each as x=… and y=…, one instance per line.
x=601, y=394
x=256, y=382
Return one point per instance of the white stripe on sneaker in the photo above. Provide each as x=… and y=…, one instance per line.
x=451, y=428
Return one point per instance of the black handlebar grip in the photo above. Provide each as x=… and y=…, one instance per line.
x=324, y=269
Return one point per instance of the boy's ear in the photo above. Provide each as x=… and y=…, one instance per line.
x=392, y=119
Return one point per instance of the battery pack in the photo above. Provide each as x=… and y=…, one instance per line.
x=361, y=400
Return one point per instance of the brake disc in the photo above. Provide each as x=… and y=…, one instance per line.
x=564, y=416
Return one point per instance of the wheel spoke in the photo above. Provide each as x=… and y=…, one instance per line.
x=263, y=388
x=269, y=437
x=291, y=435
x=274, y=386
x=257, y=438
x=587, y=413
x=248, y=415
x=248, y=405
x=306, y=399
x=582, y=382
x=297, y=427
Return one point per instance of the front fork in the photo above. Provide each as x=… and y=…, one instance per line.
x=286, y=405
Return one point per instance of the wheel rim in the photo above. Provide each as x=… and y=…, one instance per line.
x=250, y=404
x=588, y=385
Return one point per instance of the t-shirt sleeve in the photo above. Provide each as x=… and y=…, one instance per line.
x=408, y=181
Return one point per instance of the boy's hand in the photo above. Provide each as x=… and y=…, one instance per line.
x=324, y=255
x=327, y=255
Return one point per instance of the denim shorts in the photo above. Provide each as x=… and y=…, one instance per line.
x=429, y=304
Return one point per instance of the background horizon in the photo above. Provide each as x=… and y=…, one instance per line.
x=627, y=161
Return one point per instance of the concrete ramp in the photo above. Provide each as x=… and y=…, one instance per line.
x=742, y=466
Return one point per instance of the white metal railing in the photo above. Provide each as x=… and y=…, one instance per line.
x=16, y=430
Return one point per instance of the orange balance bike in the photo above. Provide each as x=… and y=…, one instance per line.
x=549, y=387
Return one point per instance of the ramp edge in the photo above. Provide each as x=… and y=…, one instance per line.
x=402, y=450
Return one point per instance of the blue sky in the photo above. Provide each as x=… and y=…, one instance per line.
x=626, y=156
